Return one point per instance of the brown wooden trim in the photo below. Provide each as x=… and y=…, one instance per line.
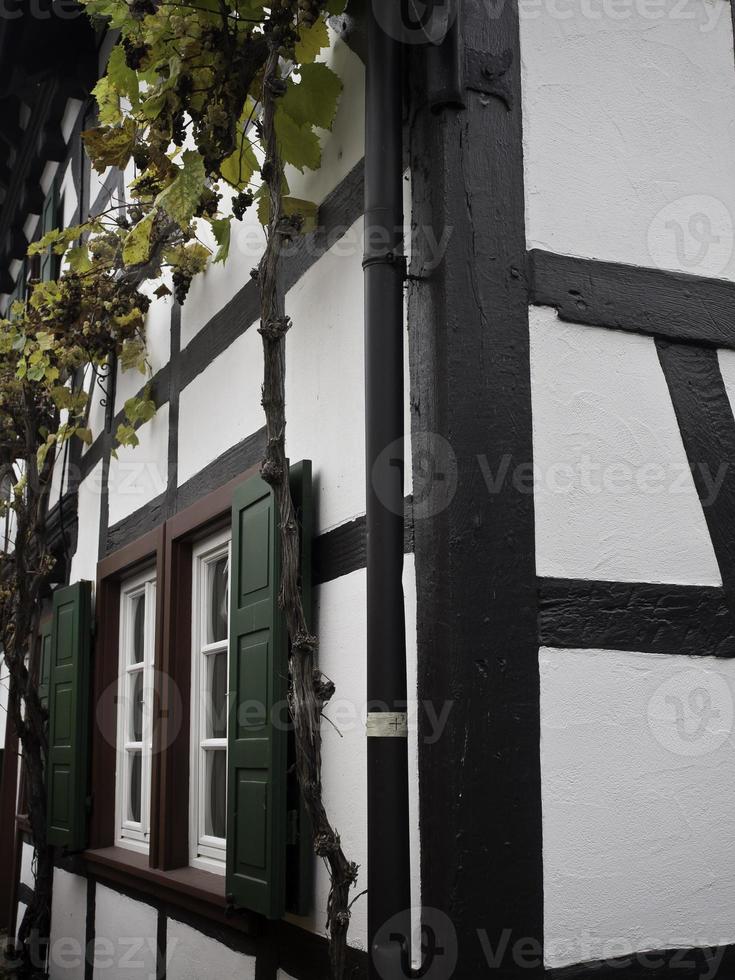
x=207, y=514
x=200, y=892
x=111, y=571
x=172, y=748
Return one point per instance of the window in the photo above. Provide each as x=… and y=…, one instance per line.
x=209, y=684
x=135, y=711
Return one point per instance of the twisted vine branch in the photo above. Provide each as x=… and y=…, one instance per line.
x=308, y=691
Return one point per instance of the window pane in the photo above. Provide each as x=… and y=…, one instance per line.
x=134, y=795
x=218, y=576
x=136, y=734
x=217, y=695
x=216, y=799
x=138, y=628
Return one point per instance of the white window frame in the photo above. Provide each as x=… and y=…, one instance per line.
x=135, y=836
x=205, y=852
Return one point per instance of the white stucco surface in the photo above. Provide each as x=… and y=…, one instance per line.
x=340, y=619
x=4, y=690
x=221, y=406
x=140, y=473
x=325, y=386
x=638, y=771
x=190, y=955
x=67, y=948
x=125, y=937
x=614, y=496
x=26, y=866
x=629, y=131
x=84, y=562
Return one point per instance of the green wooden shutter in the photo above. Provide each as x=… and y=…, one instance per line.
x=300, y=853
x=50, y=216
x=257, y=748
x=69, y=699
x=44, y=670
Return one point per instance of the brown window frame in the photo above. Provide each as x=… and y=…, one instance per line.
x=165, y=872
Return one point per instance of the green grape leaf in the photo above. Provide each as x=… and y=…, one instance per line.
x=137, y=247
x=78, y=259
x=311, y=41
x=124, y=79
x=221, y=228
x=299, y=145
x=181, y=198
x=314, y=99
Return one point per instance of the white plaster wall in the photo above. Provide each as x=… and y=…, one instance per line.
x=125, y=937
x=340, y=616
x=67, y=191
x=638, y=777
x=221, y=406
x=84, y=561
x=67, y=948
x=158, y=343
x=4, y=690
x=190, y=955
x=27, y=876
x=140, y=473
x=614, y=496
x=629, y=131
x=325, y=380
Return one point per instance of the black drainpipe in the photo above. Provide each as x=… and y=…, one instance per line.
x=389, y=893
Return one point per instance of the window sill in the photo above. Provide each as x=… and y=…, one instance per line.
x=197, y=891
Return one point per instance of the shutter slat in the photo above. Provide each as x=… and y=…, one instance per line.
x=257, y=747
x=68, y=699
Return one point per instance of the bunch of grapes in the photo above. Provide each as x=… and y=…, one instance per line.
x=135, y=54
x=182, y=282
x=308, y=12
x=240, y=203
x=178, y=128
x=141, y=8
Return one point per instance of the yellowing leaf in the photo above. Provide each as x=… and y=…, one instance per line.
x=137, y=247
x=108, y=101
x=110, y=146
x=312, y=40
x=181, y=198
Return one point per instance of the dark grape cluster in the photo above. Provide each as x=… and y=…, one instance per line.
x=135, y=54
x=141, y=8
x=178, y=128
x=182, y=282
x=241, y=202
